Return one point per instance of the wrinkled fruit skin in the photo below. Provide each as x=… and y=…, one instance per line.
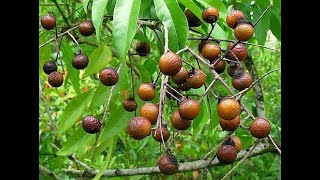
x=48, y=22
x=91, y=124
x=168, y=164
x=220, y=66
x=233, y=17
x=129, y=104
x=260, y=128
x=143, y=49
x=170, y=63
x=240, y=51
x=243, y=32
x=179, y=123
x=108, y=76
x=156, y=134
x=181, y=76
x=242, y=81
x=227, y=154
x=210, y=15
x=80, y=61
x=237, y=143
x=189, y=109
x=139, y=128
x=146, y=92
x=196, y=79
x=150, y=111
x=49, y=67
x=228, y=108
x=86, y=28
x=193, y=20
x=55, y=79
x=232, y=68
x=210, y=51
x=229, y=125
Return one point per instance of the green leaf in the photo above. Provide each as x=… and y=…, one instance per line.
x=218, y=32
x=100, y=96
x=101, y=147
x=98, y=59
x=98, y=10
x=106, y=163
x=77, y=141
x=73, y=74
x=145, y=9
x=260, y=30
x=275, y=25
x=85, y=5
x=44, y=54
x=169, y=12
x=125, y=17
x=110, y=6
x=73, y=111
x=195, y=9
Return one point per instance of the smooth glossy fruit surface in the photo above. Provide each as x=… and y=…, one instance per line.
x=220, y=66
x=48, y=21
x=146, y=91
x=129, y=104
x=86, y=28
x=80, y=61
x=156, y=134
x=181, y=76
x=210, y=51
x=210, y=15
x=233, y=17
x=227, y=154
x=91, y=124
x=260, y=128
x=108, y=76
x=150, y=111
x=228, y=108
x=189, y=109
x=243, y=32
x=196, y=79
x=49, y=67
x=179, y=123
x=139, y=128
x=170, y=63
x=229, y=125
x=237, y=143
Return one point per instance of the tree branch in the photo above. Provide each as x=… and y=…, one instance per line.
x=59, y=35
x=47, y=172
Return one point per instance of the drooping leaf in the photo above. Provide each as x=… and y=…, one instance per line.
x=77, y=141
x=73, y=111
x=98, y=59
x=98, y=11
x=275, y=25
x=73, y=74
x=260, y=30
x=125, y=17
x=145, y=9
x=169, y=12
x=85, y=5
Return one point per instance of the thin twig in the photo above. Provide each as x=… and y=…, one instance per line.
x=207, y=90
x=63, y=16
x=264, y=12
x=75, y=41
x=52, y=125
x=274, y=144
x=173, y=95
x=47, y=172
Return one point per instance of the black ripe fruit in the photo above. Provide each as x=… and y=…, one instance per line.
x=143, y=49
x=91, y=124
x=48, y=21
x=260, y=128
x=139, y=128
x=170, y=63
x=108, y=76
x=189, y=109
x=86, y=28
x=49, y=67
x=241, y=80
x=156, y=134
x=168, y=164
x=210, y=15
x=55, y=79
x=146, y=91
x=80, y=61
x=193, y=20
x=129, y=104
x=227, y=154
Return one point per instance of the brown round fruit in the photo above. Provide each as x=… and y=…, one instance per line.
x=179, y=123
x=91, y=124
x=229, y=125
x=210, y=51
x=220, y=66
x=243, y=32
x=237, y=143
x=193, y=20
x=241, y=80
x=139, y=128
x=150, y=111
x=184, y=87
x=202, y=43
x=146, y=91
x=143, y=49
x=181, y=76
x=86, y=28
x=108, y=76
x=49, y=67
x=48, y=21
x=239, y=51
x=80, y=61
x=189, y=109
x=156, y=134
x=227, y=154
x=168, y=164
x=232, y=68
x=260, y=128
x=196, y=79
x=233, y=17
x=210, y=15
x=129, y=104
x=228, y=108
x=55, y=79
x=170, y=63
